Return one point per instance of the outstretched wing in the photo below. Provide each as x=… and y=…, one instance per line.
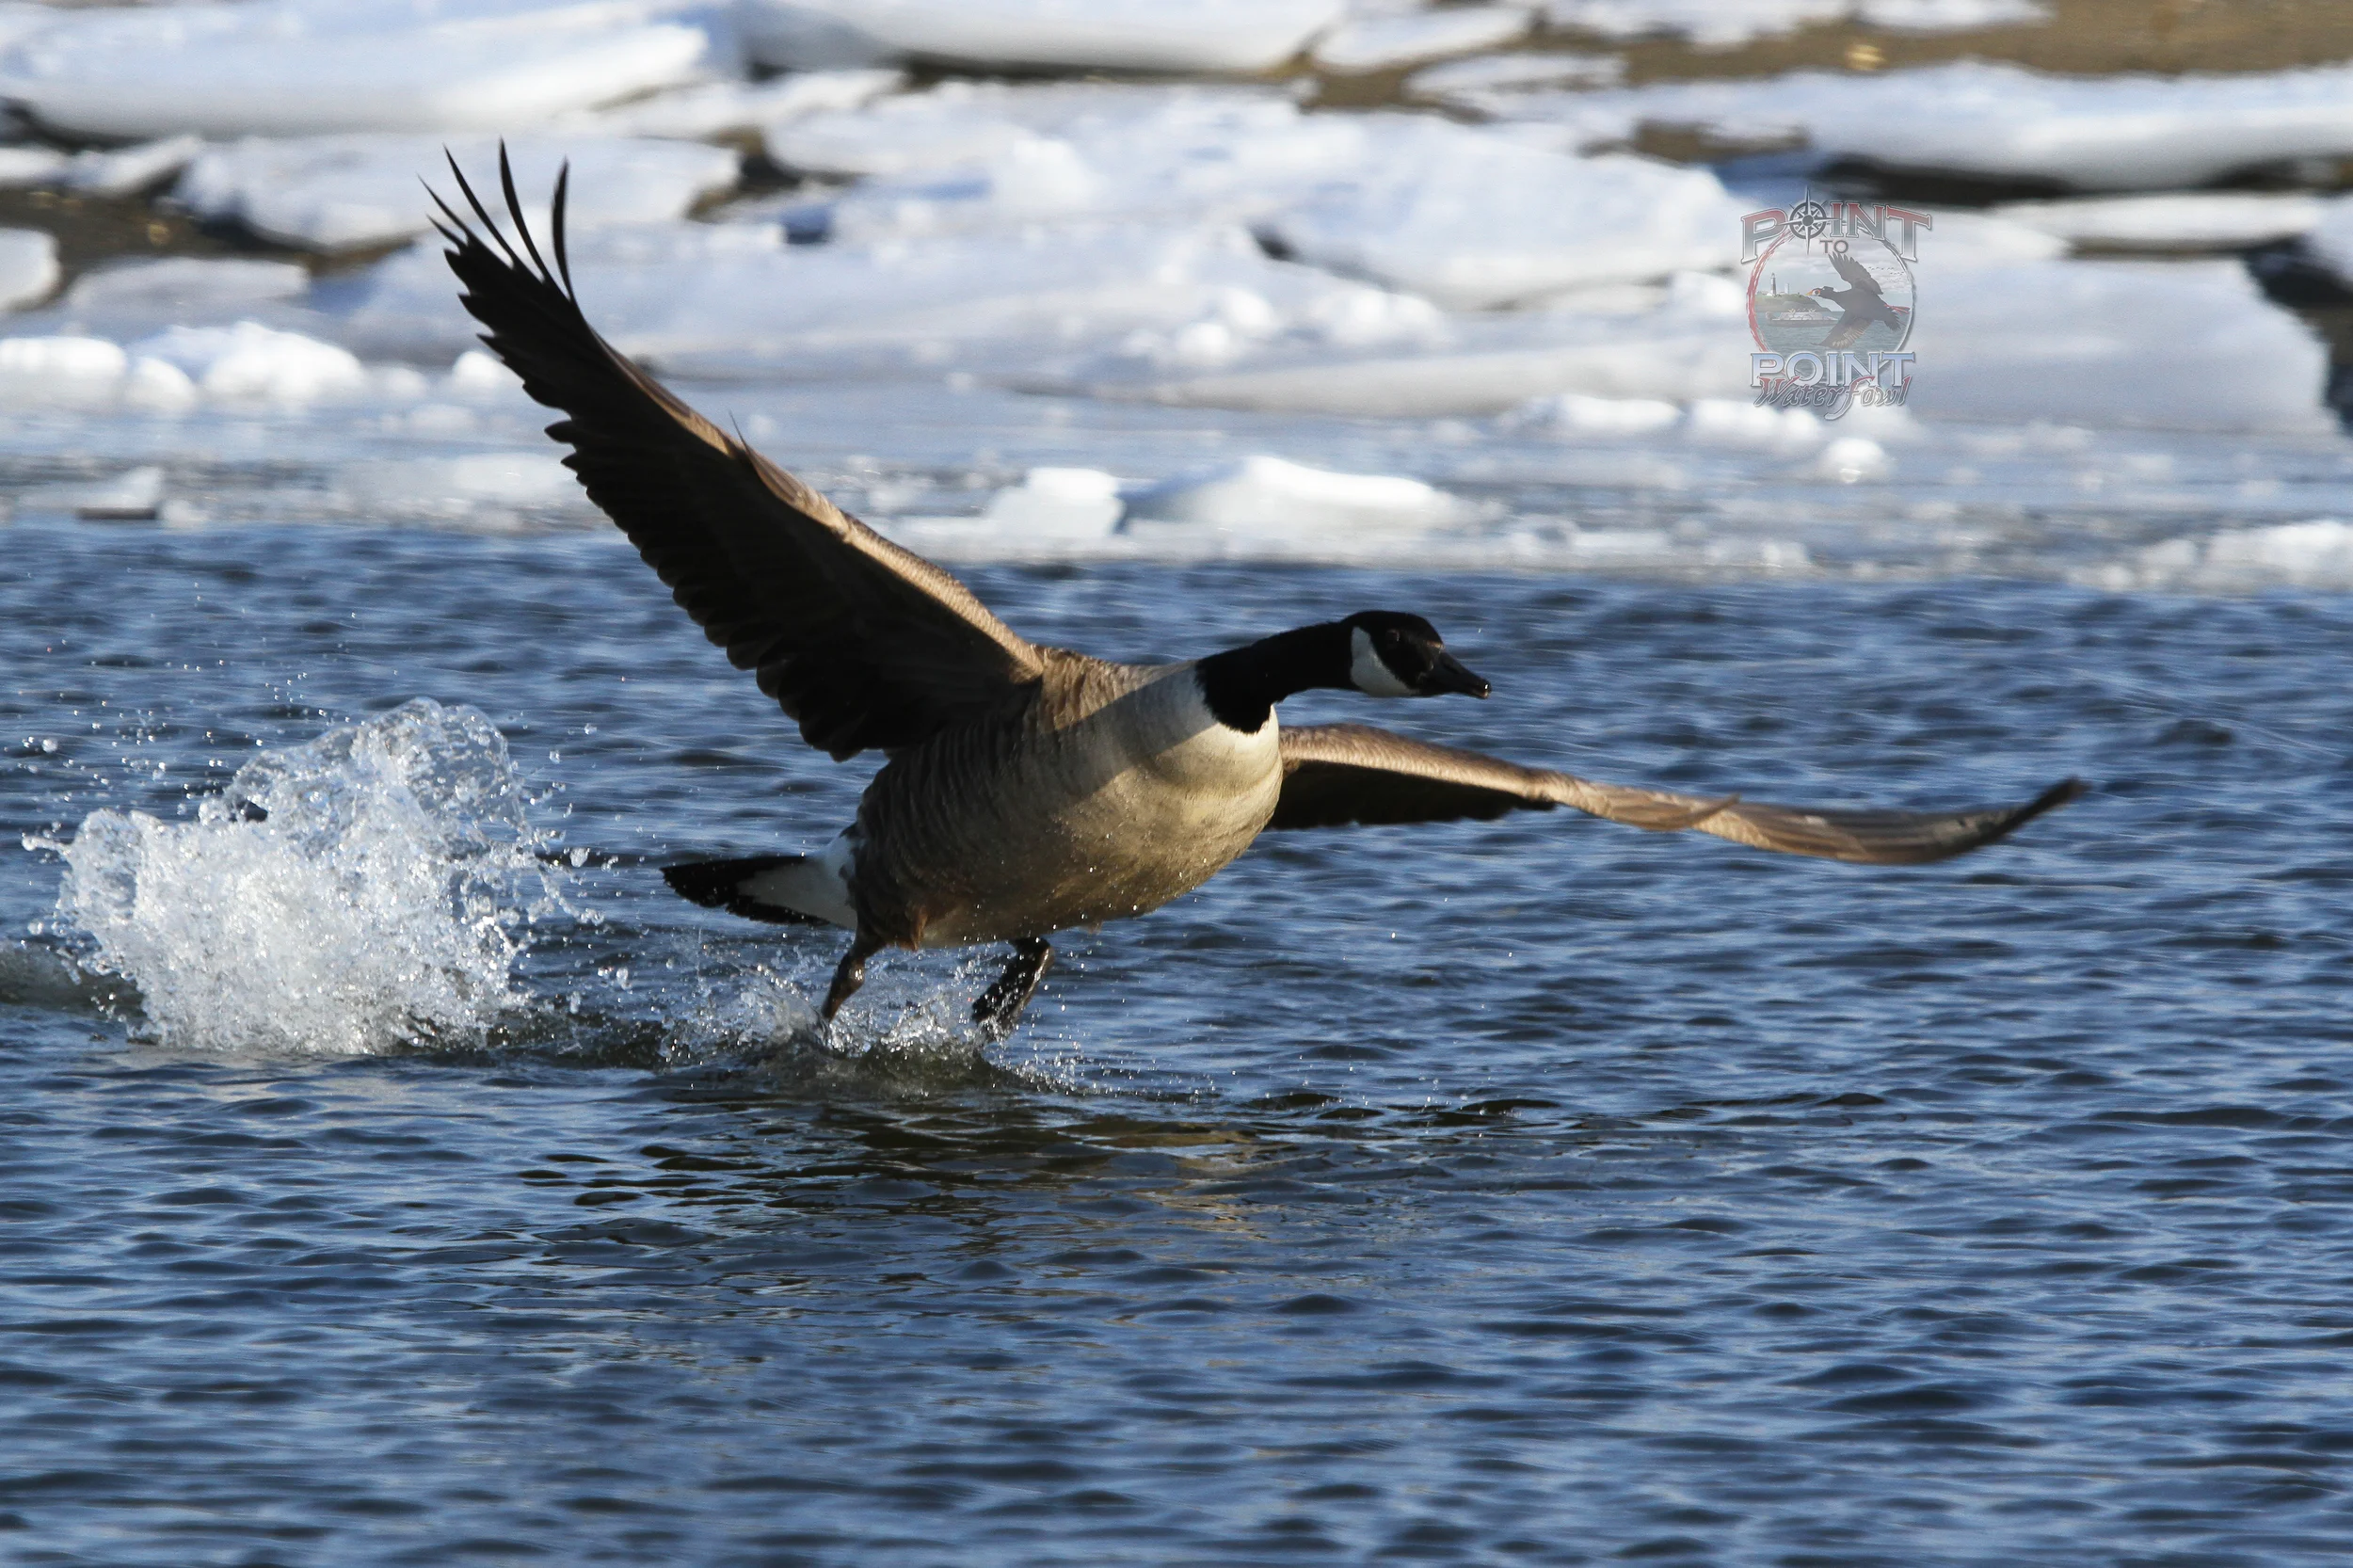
x=1338, y=773
x=864, y=643
x=1856, y=273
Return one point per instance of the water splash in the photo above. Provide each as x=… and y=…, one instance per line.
x=369, y=889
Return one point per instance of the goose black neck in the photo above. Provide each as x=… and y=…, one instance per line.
x=1243, y=685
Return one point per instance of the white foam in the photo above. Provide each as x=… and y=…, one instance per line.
x=382, y=901
x=299, y=67
x=1386, y=43
x=1999, y=122
x=1114, y=34
x=354, y=192
x=29, y=266
x=2182, y=220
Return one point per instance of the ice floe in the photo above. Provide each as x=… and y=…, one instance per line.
x=2180, y=220
x=52, y=374
x=183, y=285
x=1114, y=35
x=1386, y=43
x=1727, y=23
x=362, y=191
x=32, y=166
x=2316, y=554
x=1998, y=123
x=1270, y=495
x=295, y=67
x=710, y=110
x=1476, y=220
x=29, y=266
x=2330, y=237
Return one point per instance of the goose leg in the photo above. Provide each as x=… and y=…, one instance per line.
x=1000, y=1005
x=851, y=975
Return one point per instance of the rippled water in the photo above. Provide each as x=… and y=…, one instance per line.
x=1538, y=1191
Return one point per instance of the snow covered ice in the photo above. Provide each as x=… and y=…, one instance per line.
x=1043, y=315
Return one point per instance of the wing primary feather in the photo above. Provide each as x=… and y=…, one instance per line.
x=515, y=210
x=563, y=261
x=1334, y=775
x=482, y=212
x=867, y=645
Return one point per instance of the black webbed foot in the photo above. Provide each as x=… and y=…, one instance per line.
x=999, y=1008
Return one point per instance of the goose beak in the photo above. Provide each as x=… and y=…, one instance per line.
x=1451, y=675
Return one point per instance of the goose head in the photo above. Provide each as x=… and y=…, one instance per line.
x=1391, y=653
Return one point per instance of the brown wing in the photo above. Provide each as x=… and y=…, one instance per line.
x=864, y=643
x=1338, y=773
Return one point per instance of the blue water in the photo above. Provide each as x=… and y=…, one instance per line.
x=1540, y=1190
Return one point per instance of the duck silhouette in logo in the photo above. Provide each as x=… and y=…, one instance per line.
x=1862, y=303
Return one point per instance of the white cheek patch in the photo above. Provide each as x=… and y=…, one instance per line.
x=1365, y=669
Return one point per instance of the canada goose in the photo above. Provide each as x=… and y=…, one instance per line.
x=1028, y=788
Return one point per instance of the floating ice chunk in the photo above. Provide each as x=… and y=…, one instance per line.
x=1115, y=34
x=32, y=166
x=1851, y=459
x=1029, y=304
x=2331, y=236
x=347, y=193
x=457, y=488
x=733, y=109
x=1386, y=43
x=2002, y=121
x=370, y=889
x=189, y=284
x=1264, y=494
x=1710, y=24
x=135, y=496
x=298, y=67
x=2073, y=340
x=60, y=372
x=476, y=374
x=157, y=387
x=1476, y=220
x=1053, y=504
x=252, y=363
x=29, y=266
x=1723, y=421
x=1577, y=413
x=1961, y=240
x=1487, y=80
x=2316, y=554
x=127, y=170
x=2195, y=220
x=1950, y=16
